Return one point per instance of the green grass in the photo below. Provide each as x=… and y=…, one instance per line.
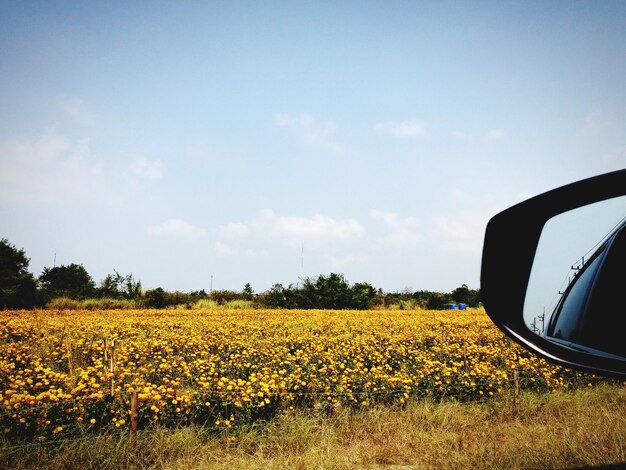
x=556, y=430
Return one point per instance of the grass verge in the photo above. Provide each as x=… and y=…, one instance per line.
x=585, y=427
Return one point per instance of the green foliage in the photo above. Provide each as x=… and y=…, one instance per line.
x=247, y=292
x=116, y=286
x=465, y=295
x=429, y=300
x=71, y=281
x=224, y=296
x=160, y=298
x=324, y=292
x=17, y=285
x=363, y=295
x=333, y=292
x=13, y=262
x=154, y=298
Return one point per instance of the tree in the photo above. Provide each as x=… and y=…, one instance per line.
x=461, y=294
x=323, y=292
x=465, y=295
x=155, y=298
x=363, y=295
x=17, y=286
x=333, y=292
x=71, y=281
x=117, y=286
x=224, y=296
x=247, y=292
x=276, y=296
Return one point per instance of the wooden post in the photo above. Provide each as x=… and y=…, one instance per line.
x=133, y=412
x=516, y=391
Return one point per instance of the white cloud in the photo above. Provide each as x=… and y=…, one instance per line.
x=460, y=233
x=338, y=263
x=255, y=253
x=234, y=230
x=400, y=129
x=400, y=230
x=47, y=169
x=250, y=238
x=78, y=110
x=225, y=250
x=177, y=228
x=316, y=226
x=459, y=134
x=495, y=134
x=309, y=131
x=148, y=170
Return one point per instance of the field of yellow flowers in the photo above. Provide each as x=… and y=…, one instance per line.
x=66, y=373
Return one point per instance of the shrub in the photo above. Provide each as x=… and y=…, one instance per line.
x=107, y=303
x=205, y=304
x=236, y=304
x=239, y=305
x=63, y=303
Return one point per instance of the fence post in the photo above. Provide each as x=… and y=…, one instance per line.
x=133, y=412
x=516, y=399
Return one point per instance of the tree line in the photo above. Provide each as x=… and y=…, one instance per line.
x=71, y=285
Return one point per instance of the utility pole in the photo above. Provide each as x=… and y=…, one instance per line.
x=211, y=289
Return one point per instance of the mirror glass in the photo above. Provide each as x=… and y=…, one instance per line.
x=571, y=295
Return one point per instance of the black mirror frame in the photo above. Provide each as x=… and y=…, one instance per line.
x=510, y=243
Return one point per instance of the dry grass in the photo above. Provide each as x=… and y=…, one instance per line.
x=557, y=430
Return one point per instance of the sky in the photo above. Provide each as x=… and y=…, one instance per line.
x=212, y=144
x=568, y=241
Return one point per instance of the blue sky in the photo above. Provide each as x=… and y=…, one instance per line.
x=179, y=140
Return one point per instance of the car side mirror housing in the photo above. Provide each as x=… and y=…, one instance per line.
x=553, y=274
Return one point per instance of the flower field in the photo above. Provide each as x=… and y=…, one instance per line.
x=66, y=373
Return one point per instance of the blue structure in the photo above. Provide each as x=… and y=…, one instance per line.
x=449, y=306
x=462, y=306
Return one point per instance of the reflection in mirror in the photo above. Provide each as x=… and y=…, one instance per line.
x=578, y=276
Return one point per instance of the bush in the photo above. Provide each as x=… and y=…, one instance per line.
x=205, y=304
x=237, y=304
x=324, y=292
x=154, y=298
x=224, y=296
x=106, y=303
x=63, y=303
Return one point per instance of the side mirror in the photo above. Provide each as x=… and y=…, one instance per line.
x=553, y=274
